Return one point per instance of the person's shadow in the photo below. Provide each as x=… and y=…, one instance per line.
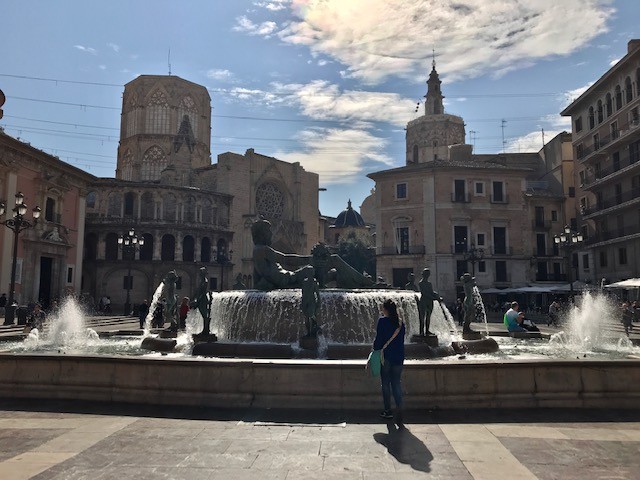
x=405, y=447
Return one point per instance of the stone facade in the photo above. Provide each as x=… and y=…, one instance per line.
x=606, y=142
x=49, y=261
x=446, y=202
x=190, y=213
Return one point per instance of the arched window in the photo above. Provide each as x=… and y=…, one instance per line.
x=168, y=249
x=188, y=107
x=221, y=246
x=169, y=207
x=618, y=93
x=592, y=122
x=188, y=247
x=415, y=154
x=111, y=246
x=205, y=250
x=146, y=206
x=131, y=117
x=129, y=203
x=146, y=250
x=153, y=162
x=628, y=90
x=207, y=212
x=157, y=118
x=91, y=199
x=91, y=247
x=126, y=172
x=609, y=106
x=190, y=209
x=50, y=209
x=600, y=112
x=114, y=204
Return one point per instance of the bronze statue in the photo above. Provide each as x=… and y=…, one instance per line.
x=239, y=285
x=468, y=305
x=171, y=310
x=270, y=273
x=311, y=305
x=411, y=283
x=425, y=304
x=202, y=300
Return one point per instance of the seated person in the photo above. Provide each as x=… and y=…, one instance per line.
x=513, y=319
x=527, y=324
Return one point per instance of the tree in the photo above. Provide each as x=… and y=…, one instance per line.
x=356, y=250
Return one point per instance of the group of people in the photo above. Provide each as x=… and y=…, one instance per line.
x=630, y=314
x=157, y=318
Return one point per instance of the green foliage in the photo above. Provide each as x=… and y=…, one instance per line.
x=357, y=252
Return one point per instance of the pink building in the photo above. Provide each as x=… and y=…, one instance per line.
x=49, y=260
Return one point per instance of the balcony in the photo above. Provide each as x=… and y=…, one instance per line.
x=631, y=196
x=541, y=224
x=613, y=234
x=460, y=197
x=499, y=250
x=607, y=142
x=551, y=277
x=618, y=169
x=499, y=199
x=413, y=250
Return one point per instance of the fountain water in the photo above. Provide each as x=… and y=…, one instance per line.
x=152, y=308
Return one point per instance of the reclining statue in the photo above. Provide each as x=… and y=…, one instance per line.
x=270, y=274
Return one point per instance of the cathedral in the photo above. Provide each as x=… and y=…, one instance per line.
x=187, y=211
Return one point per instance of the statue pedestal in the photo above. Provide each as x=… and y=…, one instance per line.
x=309, y=342
x=204, y=337
x=430, y=340
x=471, y=335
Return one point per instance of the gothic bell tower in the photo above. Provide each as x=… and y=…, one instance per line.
x=430, y=136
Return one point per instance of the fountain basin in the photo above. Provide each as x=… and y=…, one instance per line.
x=325, y=384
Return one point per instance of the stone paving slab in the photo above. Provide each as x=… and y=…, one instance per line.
x=74, y=441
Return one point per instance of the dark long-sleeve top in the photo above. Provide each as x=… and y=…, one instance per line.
x=394, y=353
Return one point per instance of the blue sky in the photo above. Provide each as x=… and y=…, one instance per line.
x=329, y=83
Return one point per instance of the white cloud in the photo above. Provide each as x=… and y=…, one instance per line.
x=323, y=100
x=571, y=95
x=245, y=25
x=102, y=67
x=219, y=74
x=273, y=5
x=339, y=155
x=322, y=63
x=531, y=142
x=614, y=61
x=114, y=47
x=555, y=120
x=376, y=39
x=82, y=48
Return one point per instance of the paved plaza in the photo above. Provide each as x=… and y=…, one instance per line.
x=71, y=441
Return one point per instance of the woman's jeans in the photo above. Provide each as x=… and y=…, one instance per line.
x=391, y=382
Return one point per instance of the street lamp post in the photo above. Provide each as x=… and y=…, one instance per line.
x=473, y=255
x=17, y=223
x=223, y=260
x=568, y=239
x=129, y=243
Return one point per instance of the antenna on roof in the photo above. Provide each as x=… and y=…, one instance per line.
x=169, y=60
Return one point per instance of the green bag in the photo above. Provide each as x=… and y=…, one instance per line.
x=374, y=362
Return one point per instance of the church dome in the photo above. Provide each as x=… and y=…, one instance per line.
x=349, y=218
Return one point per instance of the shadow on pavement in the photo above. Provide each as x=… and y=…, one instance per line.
x=405, y=447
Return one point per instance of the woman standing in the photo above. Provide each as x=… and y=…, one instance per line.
x=390, y=339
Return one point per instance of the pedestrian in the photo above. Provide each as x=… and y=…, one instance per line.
x=459, y=311
x=184, y=310
x=627, y=317
x=158, y=315
x=36, y=319
x=554, y=310
x=143, y=310
x=107, y=304
x=513, y=318
x=390, y=340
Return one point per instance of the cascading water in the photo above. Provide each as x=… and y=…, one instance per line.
x=152, y=308
x=346, y=316
x=589, y=326
x=481, y=313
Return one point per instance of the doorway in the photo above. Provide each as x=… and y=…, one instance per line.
x=46, y=278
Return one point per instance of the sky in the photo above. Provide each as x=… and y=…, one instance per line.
x=328, y=83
